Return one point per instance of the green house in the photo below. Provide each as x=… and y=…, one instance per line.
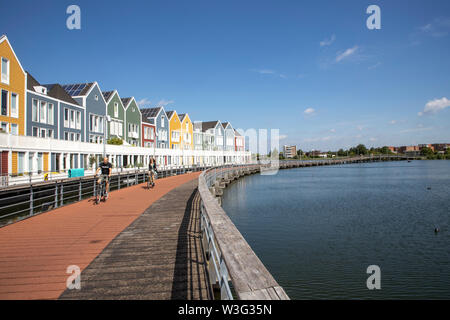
x=116, y=112
x=132, y=122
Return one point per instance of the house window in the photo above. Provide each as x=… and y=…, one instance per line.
x=4, y=102
x=72, y=136
x=43, y=112
x=96, y=97
x=187, y=126
x=14, y=128
x=66, y=118
x=116, y=109
x=50, y=116
x=5, y=70
x=35, y=132
x=72, y=119
x=50, y=133
x=78, y=120
x=43, y=133
x=66, y=135
x=34, y=111
x=14, y=105
x=78, y=137
x=162, y=122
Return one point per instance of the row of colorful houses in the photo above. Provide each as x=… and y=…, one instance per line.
x=81, y=114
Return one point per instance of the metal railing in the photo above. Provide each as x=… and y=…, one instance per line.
x=233, y=267
x=23, y=201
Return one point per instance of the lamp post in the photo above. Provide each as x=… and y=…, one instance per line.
x=105, y=134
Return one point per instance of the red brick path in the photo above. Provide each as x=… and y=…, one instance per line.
x=35, y=253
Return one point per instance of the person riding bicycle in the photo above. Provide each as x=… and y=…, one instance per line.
x=152, y=170
x=106, y=169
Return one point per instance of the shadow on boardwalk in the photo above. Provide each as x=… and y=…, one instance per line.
x=159, y=256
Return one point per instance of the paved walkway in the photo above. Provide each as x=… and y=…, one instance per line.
x=159, y=256
x=35, y=253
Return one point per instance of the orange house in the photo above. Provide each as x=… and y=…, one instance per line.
x=12, y=100
x=12, y=87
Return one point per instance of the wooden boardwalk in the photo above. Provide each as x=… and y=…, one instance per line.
x=35, y=253
x=159, y=256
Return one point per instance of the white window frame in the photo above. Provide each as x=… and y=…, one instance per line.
x=116, y=110
x=51, y=119
x=7, y=102
x=16, y=113
x=78, y=120
x=35, y=113
x=15, y=125
x=66, y=121
x=5, y=79
x=43, y=114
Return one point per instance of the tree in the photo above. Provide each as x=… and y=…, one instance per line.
x=426, y=152
x=115, y=141
x=341, y=153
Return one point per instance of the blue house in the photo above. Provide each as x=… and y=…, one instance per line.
x=229, y=143
x=158, y=117
x=91, y=98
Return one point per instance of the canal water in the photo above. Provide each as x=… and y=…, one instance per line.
x=318, y=229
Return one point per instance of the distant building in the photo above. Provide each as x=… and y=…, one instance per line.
x=393, y=149
x=421, y=146
x=409, y=149
x=441, y=146
x=289, y=151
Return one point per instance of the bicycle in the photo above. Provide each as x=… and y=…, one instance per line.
x=150, y=180
x=101, y=192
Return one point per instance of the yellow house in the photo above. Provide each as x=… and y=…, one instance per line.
x=12, y=90
x=187, y=131
x=175, y=130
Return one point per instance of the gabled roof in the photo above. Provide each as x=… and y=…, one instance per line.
x=181, y=116
x=78, y=89
x=108, y=95
x=171, y=113
x=5, y=38
x=126, y=101
x=151, y=112
x=209, y=125
x=53, y=90
x=236, y=133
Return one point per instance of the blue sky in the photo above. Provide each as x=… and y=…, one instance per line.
x=309, y=68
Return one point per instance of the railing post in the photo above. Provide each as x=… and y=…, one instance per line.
x=118, y=184
x=31, y=200
x=95, y=188
x=79, y=191
x=56, y=194
x=62, y=194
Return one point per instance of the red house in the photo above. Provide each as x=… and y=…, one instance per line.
x=148, y=135
x=239, y=141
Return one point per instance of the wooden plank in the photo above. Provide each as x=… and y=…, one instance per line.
x=247, y=272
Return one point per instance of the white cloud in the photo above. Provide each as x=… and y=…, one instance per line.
x=309, y=111
x=144, y=102
x=333, y=130
x=265, y=71
x=282, y=137
x=372, y=139
x=434, y=106
x=347, y=53
x=164, y=102
x=393, y=121
x=328, y=42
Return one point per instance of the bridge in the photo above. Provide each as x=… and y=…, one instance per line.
x=171, y=242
